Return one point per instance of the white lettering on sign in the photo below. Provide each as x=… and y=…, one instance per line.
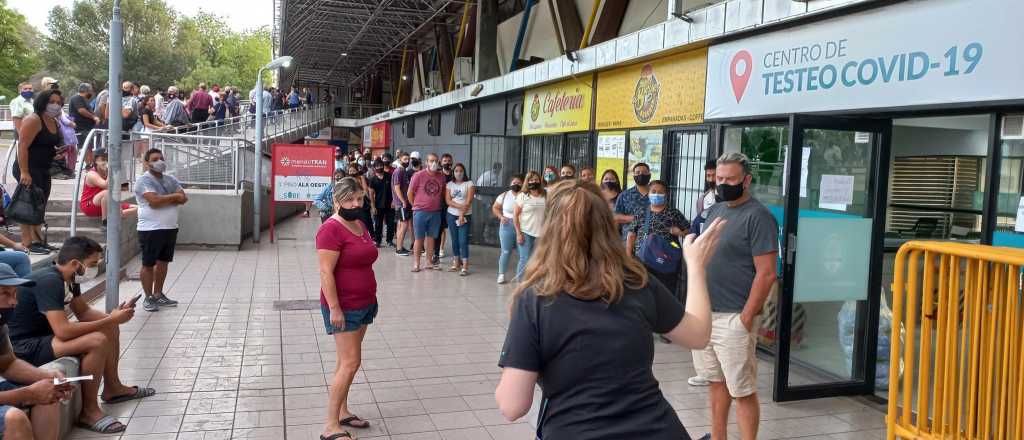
x=905, y=59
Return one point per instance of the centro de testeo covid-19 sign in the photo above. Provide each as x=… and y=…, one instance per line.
x=909, y=54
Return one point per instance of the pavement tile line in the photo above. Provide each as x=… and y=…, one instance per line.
x=429, y=361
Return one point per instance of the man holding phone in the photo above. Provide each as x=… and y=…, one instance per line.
x=42, y=332
x=41, y=394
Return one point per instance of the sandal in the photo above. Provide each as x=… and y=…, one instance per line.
x=454, y=268
x=140, y=393
x=354, y=421
x=415, y=269
x=464, y=273
x=105, y=425
x=337, y=435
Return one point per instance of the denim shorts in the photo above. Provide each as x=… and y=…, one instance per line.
x=426, y=224
x=6, y=386
x=354, y=318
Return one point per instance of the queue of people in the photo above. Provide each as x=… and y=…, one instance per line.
x=625, y=263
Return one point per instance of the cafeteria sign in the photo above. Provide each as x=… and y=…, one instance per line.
x=557, y=108
x=665, y=91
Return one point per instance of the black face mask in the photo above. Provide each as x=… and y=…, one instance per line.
x=613, y=186
x=516, y=187
x=728, y=193
x=5, y=315
x=642, y=179
x=415, y=163
x=125, y=93
x=446, y=166
x=349, y=214
x=379, y=169
x=533, y=186
x=567, y=177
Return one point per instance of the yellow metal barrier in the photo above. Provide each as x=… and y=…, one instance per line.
x=963, y=351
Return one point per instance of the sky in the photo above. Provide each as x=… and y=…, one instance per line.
x=240, y=14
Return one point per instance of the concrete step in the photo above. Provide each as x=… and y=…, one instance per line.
x=63, y=219
x=58, y=234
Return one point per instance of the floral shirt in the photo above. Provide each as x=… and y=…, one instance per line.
x=660, y=224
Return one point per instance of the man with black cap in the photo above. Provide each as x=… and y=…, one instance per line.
x=42, y=395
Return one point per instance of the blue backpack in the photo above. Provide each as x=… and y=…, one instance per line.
x=661, y=255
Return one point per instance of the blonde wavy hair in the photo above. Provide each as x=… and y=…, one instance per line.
x=580, y=251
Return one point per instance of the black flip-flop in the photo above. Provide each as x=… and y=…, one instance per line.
x=337, y=435
x=347, y=421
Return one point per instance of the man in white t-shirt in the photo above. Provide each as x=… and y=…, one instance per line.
x=159, y=196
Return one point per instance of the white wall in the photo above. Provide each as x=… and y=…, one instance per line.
x=542, y=36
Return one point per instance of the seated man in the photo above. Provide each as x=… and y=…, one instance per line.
x=42, y=395
x=41, y=331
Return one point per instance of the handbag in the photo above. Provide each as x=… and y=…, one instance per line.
x=27, y=206
x=661, y=255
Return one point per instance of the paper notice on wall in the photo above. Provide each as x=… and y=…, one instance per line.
x=1019, y=226
x=836, y=190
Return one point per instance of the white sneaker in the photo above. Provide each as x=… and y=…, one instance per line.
x=501, y=278
x=698, y=381
x=441, y=254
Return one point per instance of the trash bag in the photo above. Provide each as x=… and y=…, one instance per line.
x=847, y=326
x=28, y=205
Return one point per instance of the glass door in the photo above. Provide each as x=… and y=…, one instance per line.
x=832, y=238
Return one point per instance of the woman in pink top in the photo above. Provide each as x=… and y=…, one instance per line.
x=348, y=297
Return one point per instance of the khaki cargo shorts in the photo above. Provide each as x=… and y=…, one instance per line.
x=730, y=356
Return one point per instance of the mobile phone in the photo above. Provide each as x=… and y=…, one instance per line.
x=131, y=302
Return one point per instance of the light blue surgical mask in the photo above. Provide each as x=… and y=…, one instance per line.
x=657, y=199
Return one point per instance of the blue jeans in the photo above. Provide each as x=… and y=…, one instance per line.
x=459, y=236
x=18, y=261
x=507, y=236
x=525, y=250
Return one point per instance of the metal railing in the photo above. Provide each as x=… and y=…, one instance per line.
x=962, y=357
x=213, y=156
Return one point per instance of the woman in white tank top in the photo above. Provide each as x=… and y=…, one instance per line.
x=504, y=209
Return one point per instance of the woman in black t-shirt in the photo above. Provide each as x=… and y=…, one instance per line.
x=580, y=327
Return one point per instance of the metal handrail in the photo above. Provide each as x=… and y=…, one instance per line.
x=90, y=140
x=280, y=122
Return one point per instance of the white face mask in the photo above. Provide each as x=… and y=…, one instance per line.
x=458, y=175
x=53, y=110
x=159, y=166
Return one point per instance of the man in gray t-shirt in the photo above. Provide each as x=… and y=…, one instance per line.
x=739, y=277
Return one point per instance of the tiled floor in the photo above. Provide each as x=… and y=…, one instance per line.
x=226, y=365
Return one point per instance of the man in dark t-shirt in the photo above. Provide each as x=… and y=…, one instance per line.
x=41, y=331
x=740, y=274
x=81, y=113
x=400, y=179
x=380, y=184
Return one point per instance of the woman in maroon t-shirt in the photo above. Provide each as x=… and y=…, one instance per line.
x=348, y=297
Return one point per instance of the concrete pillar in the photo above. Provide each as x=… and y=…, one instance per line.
x=486, y=65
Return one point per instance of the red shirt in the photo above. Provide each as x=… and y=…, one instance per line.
x=200, y=100
x=428, y=190
x=353, y=273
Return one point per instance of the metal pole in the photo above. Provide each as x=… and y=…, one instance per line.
x=113, y=259
x=257, y=186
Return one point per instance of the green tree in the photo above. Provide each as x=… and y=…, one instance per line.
x=161, y=46
x=18, y=61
